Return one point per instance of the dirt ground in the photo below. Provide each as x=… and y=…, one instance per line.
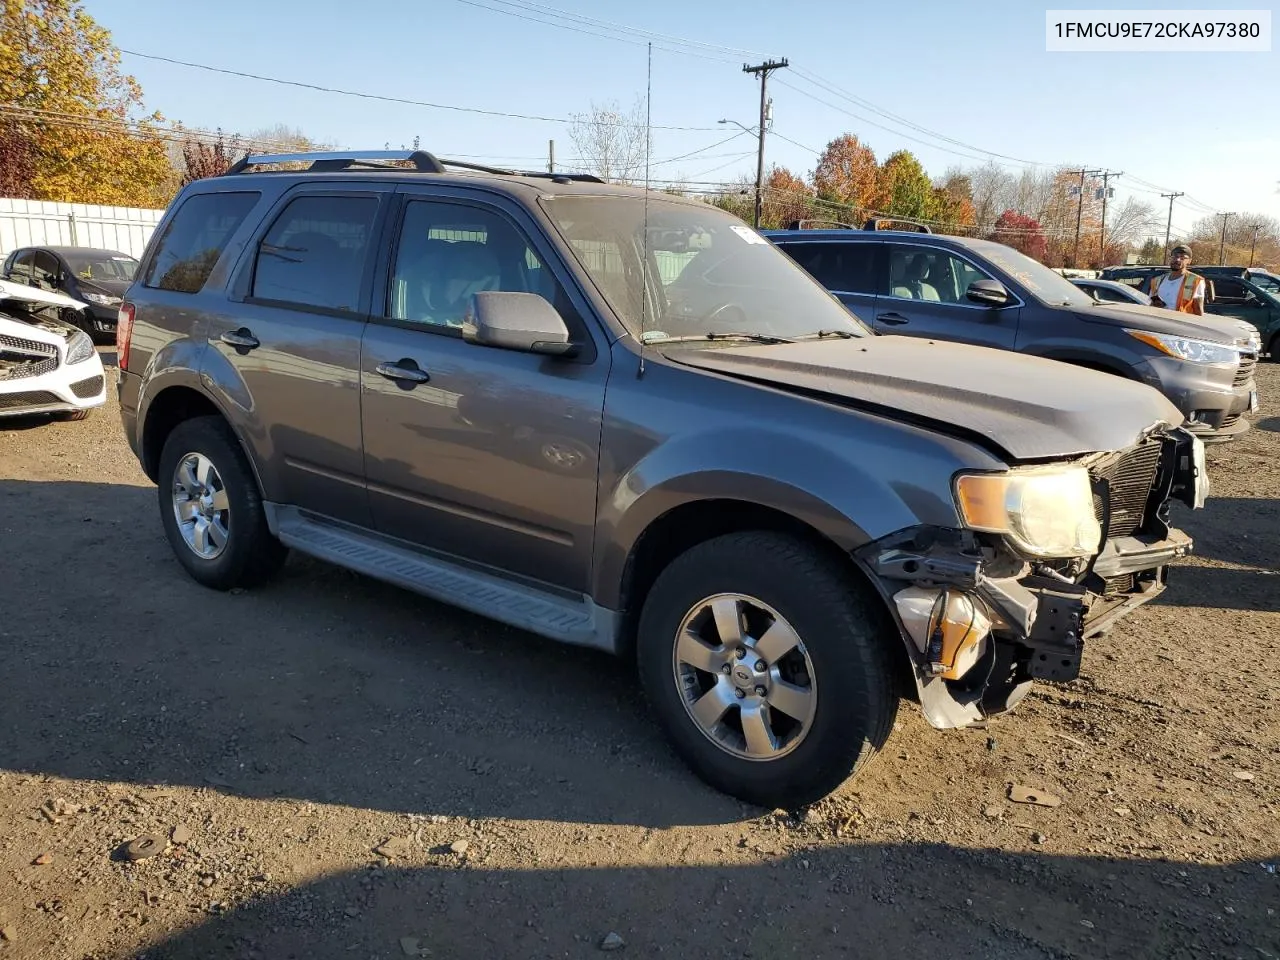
x=335, y=768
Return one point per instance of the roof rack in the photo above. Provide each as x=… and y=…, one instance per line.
x=423, y=162
x=874, y=224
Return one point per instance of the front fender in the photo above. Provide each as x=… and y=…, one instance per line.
x=849, y=500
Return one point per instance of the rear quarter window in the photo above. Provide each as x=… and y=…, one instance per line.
x=195, y=238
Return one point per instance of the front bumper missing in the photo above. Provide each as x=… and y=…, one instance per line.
x=1029, y=622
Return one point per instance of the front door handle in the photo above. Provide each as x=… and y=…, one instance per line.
x=241, y=338
x=894, y=318
x=404, y=369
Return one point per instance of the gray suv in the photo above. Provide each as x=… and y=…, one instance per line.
x=918, y=284
x=478, y=384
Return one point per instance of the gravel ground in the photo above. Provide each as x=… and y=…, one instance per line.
x=329, y=767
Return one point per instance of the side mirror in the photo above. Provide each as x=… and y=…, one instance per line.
x=990, y=292
x=517, y=321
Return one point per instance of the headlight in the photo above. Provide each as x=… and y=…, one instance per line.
x=1185, y=348
x=102, y=299
x=79, y=347
x=1044, y=512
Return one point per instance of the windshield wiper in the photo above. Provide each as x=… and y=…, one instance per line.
x=713, y=335
x=848, y=335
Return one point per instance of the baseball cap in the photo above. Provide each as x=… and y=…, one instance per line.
x=1180, y=248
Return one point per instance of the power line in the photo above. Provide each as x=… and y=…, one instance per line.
x=386, y=99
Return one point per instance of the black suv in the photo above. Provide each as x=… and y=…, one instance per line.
x=96, y=277
x=920, y=284
x=625, y=420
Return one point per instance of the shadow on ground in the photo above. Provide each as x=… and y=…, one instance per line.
x=1241, y=531
x=865, y=901
x=324, y=686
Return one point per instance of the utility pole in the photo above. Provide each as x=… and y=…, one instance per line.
x=1075, y=253
x=1222, y=246
x=1253, y=246
x=1102, y=235
x=1168, y=226
x=551, y=156
x=763, y=71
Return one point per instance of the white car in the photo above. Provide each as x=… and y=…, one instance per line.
x=46, y=365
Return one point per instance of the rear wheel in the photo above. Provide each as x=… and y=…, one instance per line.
x=766, y=666
x=1274, y=349
x=211, y=509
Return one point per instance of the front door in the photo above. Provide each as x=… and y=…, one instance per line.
x=486, y=454
x=926, y=297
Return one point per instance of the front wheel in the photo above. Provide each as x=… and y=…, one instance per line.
x=211, y=510
x=767, y=668
x=1274, y=349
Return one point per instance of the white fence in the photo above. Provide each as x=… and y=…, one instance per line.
x=26, y=223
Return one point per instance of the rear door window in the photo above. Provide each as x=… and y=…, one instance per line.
x=194, y=239
x=315, y=253
x=840, y=267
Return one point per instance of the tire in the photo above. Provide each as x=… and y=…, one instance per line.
x=1274, y=349
x=249, y=554
x=842, y=634
x=70, y=415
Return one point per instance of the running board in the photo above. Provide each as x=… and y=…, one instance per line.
x=578, y=622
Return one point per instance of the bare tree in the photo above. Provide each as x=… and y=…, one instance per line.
x=611, y=144
x=991, y=193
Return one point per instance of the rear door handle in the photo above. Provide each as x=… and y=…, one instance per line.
x=405, y=369
x=241, y=338
x=894, y=318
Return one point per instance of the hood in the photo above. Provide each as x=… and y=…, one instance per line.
x=25, y=296
x=1160, y=320
x=26, y=326
x=1028, y=408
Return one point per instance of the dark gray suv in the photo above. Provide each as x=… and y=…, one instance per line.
x=920, y=284
x=494, y=388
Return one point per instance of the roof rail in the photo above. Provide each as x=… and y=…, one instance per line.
x=423, y=162
x=874, y=224
x=804, y=224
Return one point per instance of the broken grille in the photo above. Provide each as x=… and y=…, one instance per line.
x=1128, y=480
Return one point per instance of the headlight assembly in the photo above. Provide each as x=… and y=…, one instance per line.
x=1043, y=512
x=1186, y=348
x=79, y=347
x=102, y=299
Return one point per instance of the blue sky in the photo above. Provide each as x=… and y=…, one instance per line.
x=978, y=73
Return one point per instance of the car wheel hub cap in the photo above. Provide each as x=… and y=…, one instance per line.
x=200, y=506
x=744, y=676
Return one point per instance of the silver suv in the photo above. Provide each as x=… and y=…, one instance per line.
x=481, y=385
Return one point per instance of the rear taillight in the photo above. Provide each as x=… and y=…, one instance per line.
x=124, y=330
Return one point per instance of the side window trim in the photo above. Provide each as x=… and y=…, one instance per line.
x=242, y=273
x=959, y=255
x=580, y=326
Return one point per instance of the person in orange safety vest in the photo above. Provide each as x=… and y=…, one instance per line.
x=1179, y=289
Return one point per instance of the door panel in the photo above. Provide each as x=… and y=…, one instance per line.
x=925, y=297
x=293, y=342
x=493, y=455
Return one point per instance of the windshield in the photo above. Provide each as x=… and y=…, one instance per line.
x=707, y=272
x=109, y=266
x=1047, y=286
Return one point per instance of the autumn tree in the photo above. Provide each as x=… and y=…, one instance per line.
x=1021, y=232
x=65, y=95
x=952, y=204
x=846, y=174
x=201, y=159
x=787, y=198
x=610, y=143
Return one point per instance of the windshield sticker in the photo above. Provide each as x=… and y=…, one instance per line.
x=747, y=234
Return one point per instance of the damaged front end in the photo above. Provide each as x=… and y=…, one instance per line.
x=985, y=612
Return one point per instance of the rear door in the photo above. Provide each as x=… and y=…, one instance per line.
x=486, y=454
x=287, y=344
x=925, y=296
x=848, y=269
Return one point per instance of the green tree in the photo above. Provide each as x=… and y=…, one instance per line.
x=65, y=96
x=903, y=188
